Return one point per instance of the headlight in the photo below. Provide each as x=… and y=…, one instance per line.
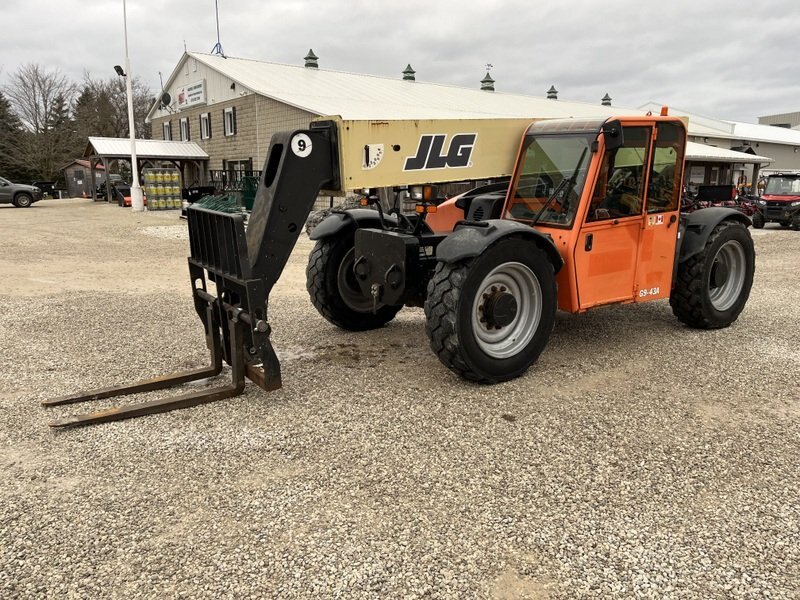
x=796, y=203
x=762, y=202
x=423, y=193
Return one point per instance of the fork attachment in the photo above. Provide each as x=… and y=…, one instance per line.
x=243, y=266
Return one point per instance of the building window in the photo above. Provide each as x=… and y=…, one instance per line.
x=205, y=126
x=167, y=128
x=229, y=120
x=186, y=134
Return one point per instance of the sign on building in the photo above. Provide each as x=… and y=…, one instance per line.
x=192, y=94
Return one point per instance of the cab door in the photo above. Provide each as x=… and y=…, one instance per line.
x=607, y=248
x=662, y=206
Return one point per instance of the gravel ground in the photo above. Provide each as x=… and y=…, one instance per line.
x=637, y=458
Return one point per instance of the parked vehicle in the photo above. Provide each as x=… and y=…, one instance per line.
x=18, y=194
x=718, y=195
x=115, y=180
x=780, y=202
x=48, y=188
x=122, y=193
x=591, y=217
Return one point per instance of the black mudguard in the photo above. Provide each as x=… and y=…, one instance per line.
x=469, y=240
x=354, y=218
x=697, y=226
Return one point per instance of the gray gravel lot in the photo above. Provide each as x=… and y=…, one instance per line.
x=637, y=458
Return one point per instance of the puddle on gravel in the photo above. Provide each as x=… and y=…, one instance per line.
x=345, y=355
x=294, y=353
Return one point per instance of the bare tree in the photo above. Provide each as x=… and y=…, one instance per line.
x=38, y=96
x=54, y=120
x=42, y=101
x=102, y=107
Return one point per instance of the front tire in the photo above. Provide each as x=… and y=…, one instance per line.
x=334, y=291
x=23, y=200
x=758, y=220
x=796, y=221
x=713, y=286
x=489, y=318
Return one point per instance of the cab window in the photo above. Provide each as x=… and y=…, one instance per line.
x=664, y=189
x=619, y=191
x=551, y=179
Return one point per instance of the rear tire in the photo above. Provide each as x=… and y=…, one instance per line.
x=334, y=291
x=474, y=326
x=758, y=220
x=713, y=286
x=23, y=200
x=796, y=221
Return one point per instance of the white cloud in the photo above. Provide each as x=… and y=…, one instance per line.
x=729, y=59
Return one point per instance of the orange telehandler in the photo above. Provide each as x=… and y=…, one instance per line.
x=589, y=216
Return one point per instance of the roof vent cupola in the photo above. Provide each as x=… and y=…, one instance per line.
x=552, y=93
x=311, y=60
x=487, y=83
x=606, y=101
x=408, y=73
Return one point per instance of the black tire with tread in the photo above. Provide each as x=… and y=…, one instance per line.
x=23, y=200
x=323, y=288
x=690, y=300
x=449, y=301
x=796, y=221
x=758, y=220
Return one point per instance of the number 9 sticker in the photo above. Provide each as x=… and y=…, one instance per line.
x=301, y=145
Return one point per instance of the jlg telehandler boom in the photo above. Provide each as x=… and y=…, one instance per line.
x=589, y=217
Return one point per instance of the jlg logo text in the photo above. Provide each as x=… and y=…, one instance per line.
x=430, y=156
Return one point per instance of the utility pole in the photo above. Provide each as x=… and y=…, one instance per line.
x=137, y=198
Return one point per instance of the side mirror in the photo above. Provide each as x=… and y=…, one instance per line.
x=612, y=134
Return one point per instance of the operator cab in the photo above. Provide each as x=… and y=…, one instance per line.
x=607, y=192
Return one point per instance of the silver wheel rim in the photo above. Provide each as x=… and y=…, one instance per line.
x=730, y=256
x=519, y=281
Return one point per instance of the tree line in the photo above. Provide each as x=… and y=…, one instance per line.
x=46, y=119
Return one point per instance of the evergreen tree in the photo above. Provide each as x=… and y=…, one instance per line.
x=10, y=131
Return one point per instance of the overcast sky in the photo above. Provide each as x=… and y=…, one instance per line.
x=732, y=59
